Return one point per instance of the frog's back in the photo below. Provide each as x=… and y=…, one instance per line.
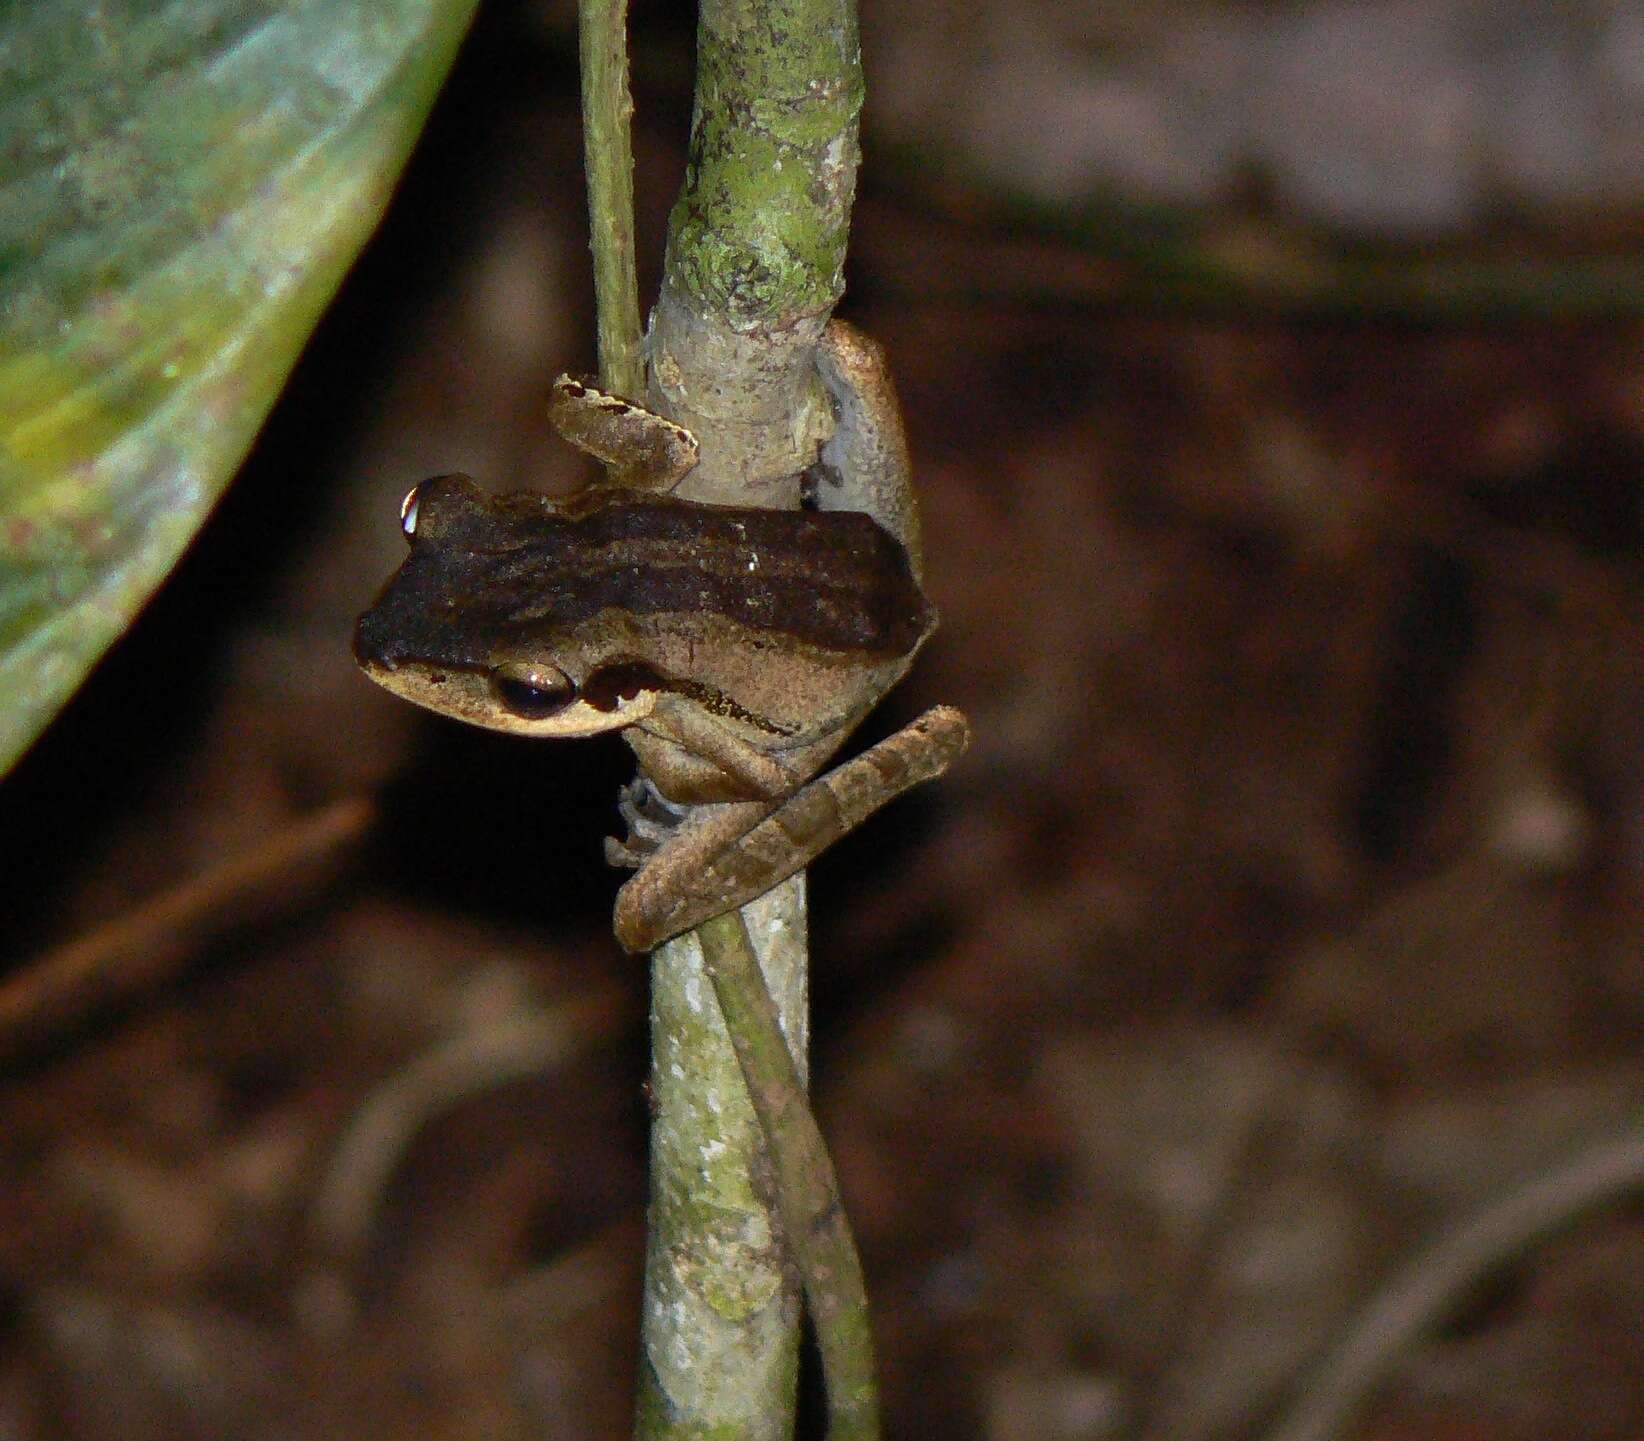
x=492, y=575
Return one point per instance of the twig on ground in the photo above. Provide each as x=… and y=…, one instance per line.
x=469, y=1064
x=1431, y=1283
x=154, y=943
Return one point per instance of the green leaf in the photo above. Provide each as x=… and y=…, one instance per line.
x=183, y=184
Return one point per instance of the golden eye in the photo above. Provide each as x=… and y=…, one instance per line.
x=408, y=512
x=532, y=691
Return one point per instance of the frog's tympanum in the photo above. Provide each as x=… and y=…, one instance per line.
x=735, y=648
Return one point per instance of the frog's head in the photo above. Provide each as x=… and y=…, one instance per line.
x=468, y=625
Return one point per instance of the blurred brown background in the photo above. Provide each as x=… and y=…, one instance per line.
x=1287, y=907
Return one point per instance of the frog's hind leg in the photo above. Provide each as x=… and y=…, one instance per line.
x=723, y=856
x=865, y=466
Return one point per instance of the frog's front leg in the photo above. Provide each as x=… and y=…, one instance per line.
x=723, y=856
x=641, y=450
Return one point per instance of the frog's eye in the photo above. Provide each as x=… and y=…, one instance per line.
x=443, y=508
x=532, y=691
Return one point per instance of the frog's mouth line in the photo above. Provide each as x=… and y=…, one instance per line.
x=617, y=684
x=472, y=694
x=712, y=699
x=615, y=694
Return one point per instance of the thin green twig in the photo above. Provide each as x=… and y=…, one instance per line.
x=815, y=1228
x=608, y=160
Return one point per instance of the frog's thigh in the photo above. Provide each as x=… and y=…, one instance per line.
x=684, y=876
x=868, y=452
x=725, y=856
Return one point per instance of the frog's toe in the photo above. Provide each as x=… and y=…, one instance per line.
x=624, y=855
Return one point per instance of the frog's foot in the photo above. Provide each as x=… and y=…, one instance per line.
x=650, y=818
x=723, y=856
x=645, y=451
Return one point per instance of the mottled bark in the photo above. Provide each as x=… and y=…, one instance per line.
x=754, y=266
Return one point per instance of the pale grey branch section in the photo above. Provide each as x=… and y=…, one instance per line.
x=721, y=1325
x=755, y=264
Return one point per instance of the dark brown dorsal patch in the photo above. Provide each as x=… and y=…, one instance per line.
x=490, y=572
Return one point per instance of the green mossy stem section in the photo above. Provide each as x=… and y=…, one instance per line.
x=756, y=243
x=760, y=229
x=607, y=109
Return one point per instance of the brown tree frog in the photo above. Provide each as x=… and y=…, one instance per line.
x=734, y=648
